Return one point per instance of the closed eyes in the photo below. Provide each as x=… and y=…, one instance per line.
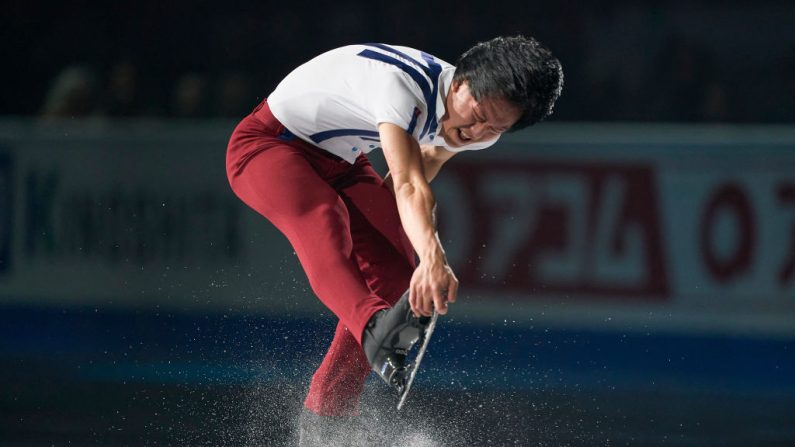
x=480, y=117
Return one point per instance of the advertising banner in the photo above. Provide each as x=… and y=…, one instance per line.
x=674, y=227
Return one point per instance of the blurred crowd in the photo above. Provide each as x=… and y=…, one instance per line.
x=122, y=91
x=623, y=61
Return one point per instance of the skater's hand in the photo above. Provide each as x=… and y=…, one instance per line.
x=433, y=286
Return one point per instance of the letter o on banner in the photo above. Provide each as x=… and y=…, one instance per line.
x=728, y=198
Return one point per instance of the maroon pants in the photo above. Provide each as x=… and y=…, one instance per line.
x=344, y=226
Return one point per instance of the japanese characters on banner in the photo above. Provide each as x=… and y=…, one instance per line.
x=644, y=231
x=690, y=220
x=675, y=228
x=539, y=226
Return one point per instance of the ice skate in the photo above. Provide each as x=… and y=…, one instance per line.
x=388, y=340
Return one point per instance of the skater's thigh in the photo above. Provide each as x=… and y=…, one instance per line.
x=375, y=208
x=381, y=248
x=282, y=185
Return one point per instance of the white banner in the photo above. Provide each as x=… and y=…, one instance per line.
x=138, y=215
x=639, y=227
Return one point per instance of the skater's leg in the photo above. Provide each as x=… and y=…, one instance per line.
x=383, y=251
x=339, y=381
x=386, y=260
x=282, y=185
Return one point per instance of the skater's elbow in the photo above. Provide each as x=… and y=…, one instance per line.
x=416, y=200
x=412, y=190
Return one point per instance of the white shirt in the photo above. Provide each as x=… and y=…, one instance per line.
x=337, y=100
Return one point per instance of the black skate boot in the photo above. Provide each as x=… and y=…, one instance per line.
x=387, y=339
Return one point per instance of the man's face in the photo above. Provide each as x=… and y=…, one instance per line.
x=468, y=121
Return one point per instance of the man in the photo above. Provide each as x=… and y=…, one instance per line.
x=362, y=240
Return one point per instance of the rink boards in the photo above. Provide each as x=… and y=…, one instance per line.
x=643, y=250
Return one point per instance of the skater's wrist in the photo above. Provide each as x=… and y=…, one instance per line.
x=434, y=255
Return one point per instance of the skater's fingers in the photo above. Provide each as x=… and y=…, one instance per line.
x=439, y=300
x=414, y=302
x=419, y=305
x=424, y=303
x=427, y=305
x=452, y=291
x=440, y=303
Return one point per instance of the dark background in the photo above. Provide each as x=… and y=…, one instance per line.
x=682, y=61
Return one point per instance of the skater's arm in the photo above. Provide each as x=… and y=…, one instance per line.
x=433, y=157
x=433, y=283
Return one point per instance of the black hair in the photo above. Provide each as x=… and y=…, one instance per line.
x=519, y=69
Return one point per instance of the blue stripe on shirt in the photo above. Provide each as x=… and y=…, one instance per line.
x=399, y=53
x=433, y=70
x=414, y=74
x=328, y=134
x=416, y=114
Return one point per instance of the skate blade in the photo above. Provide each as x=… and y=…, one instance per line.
x=416, y=363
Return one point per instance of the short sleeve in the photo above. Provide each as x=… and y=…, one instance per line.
x=393, y=100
